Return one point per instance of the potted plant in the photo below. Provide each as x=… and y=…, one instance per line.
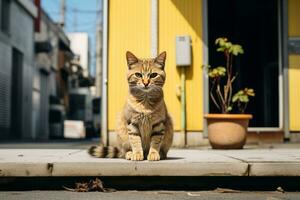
x=225, y=129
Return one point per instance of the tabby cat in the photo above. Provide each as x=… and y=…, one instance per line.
x=144, y=128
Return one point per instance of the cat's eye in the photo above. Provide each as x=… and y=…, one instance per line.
x=153, y=75
x=139, y=75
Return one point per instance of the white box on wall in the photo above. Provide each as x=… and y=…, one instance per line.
x=183, y=50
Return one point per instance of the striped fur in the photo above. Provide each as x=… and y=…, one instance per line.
x=144, y=127
x=105, y=152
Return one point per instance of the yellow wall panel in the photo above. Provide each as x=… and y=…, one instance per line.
x=294, y=98
x=294, y=66
x=178, y=17
x=294, y=17
x=129, y=29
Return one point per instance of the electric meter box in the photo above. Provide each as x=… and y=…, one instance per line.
x=183, y=51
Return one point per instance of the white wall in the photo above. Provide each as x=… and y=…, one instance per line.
x=80, y=46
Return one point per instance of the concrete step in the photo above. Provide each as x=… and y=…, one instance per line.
x=74, y=162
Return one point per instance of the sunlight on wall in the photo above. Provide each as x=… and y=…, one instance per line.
x=177, y=17
x=294, y=66
x=129, y=29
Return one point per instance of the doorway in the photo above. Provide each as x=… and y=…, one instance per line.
x=254, y=25
x=16, y=94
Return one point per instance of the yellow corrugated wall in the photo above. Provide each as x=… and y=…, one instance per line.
x=129, y=29
x=294, y=66
x=178, y=17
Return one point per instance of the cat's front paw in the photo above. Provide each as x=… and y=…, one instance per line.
x=137, y=156
x=128, y=155
x=153, y=156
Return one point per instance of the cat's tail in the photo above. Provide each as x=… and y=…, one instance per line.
x=105, y=151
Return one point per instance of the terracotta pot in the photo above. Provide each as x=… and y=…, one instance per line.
x=227, y=131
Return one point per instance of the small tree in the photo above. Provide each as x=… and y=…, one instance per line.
x=221, y=94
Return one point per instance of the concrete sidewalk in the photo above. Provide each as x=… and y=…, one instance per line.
x=76, y=162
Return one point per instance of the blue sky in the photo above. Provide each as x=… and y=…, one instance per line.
x=81, y=16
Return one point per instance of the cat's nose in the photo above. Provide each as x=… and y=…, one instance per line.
x=146, y=83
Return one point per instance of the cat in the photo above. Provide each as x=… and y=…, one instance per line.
x=144, y=128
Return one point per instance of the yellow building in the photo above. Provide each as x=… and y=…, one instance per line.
x=268, y=30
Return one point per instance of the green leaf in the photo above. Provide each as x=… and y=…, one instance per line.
x=217, y=72
x=221, y=41
x=221, y=68
x=236, y=49
x=241, y=92
x=229, y=108
x=235, y=98
x=218, y=40
x=228, y=45
x=244, y=98
x=220, y=49
x=250, y=92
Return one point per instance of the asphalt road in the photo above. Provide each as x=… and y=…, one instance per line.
x=147, y=195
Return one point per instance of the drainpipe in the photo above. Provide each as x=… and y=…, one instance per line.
x=154, y=23
x=205, y=62
x=183, y=60
x=104, y=131
x=284, y=69
x=183, y=104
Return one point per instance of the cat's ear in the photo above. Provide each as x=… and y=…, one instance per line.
x=131, y=59
x=161, y=59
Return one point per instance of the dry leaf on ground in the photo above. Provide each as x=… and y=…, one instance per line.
x=92, y=185
x=279, y=189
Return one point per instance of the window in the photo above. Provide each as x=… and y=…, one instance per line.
x=4, y=23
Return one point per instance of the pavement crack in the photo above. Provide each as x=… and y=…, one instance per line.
x=244, y=161
x=50, y=167
x=247, y=171
x=74, y=152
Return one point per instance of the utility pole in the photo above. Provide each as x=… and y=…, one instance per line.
x=62, y=13
x=98, y=78
x=75, y=11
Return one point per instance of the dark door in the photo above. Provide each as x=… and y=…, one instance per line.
x=16, y=94
x=43, y=129
x=254, y=25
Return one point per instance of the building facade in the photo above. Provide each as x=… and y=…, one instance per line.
x=34, y=70
x=17, y=67
x=51, y=79
x=80, y=45
x=267, y=30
